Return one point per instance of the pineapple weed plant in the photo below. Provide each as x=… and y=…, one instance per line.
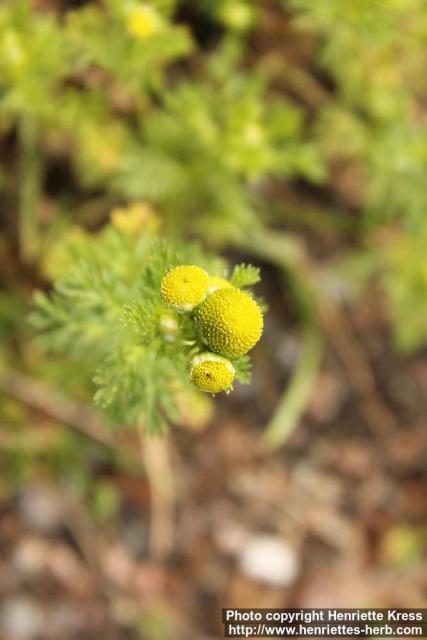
x=120, y=96
x=147, y=324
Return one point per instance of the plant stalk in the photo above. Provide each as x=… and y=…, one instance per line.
x=288, y=254
x=30, y=190
x=296, y=395
x=156, y=457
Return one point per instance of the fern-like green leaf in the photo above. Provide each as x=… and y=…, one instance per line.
x=245, y=275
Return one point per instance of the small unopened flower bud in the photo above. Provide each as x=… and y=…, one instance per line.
x=211, y=373
x=184, y=287
x=169, y=328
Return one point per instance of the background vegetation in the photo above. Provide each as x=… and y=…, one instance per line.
x=286, y=133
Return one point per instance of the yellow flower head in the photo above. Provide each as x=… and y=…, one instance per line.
x=184, y=287
x=230, y=321
x=142, y=22
x=216, y=282
x=211, y=373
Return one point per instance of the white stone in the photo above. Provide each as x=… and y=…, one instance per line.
x=21, y=619
x=269, y=559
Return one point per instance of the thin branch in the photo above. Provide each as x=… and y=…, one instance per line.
x=30, y=190
x=297, y=80
x=296, y=395
x=156, y=457
x=42, y=397
x=287, y=253
x=155, y=451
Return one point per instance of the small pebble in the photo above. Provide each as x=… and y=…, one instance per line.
x=270, y=560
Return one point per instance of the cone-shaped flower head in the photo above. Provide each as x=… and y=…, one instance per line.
x=230, y=322
x=211, y=373
x=184, y=287
x=216, y=282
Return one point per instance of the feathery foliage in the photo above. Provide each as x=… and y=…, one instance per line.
x=106, y=311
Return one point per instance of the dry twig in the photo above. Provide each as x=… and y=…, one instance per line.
x=42, y=397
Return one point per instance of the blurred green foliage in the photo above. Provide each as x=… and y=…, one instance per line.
x=212, y=143
x=101, y=91
x=375, y=124
x=179, y=105
x=216, y=125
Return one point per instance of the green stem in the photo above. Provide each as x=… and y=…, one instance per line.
x=287, y=253
x=282, y=249
x=295, y=397
x=30, y=190
x=157, y=460
x=299, y=81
